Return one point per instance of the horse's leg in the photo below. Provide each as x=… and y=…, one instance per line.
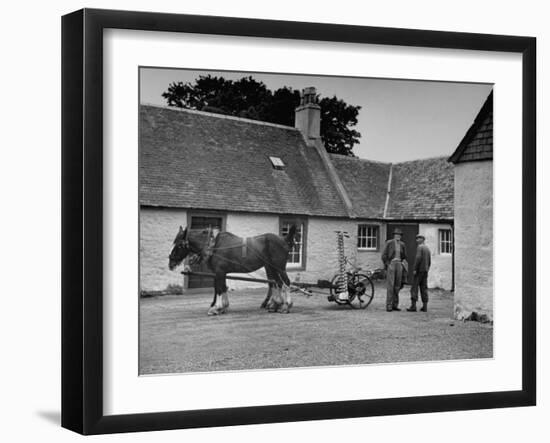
x=224, y=296
x=220, y=301
x=269, y=274
x=287, y=299
x=267, y=297
x=276, y=300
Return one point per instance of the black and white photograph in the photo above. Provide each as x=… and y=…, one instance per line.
x=298, y=221
x=275, y=221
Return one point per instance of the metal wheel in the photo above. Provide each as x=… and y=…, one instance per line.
x=361, y=291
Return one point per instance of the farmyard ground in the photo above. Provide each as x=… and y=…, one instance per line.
x=176, y=335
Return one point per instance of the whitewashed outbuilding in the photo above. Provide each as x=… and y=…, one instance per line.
x=473, y=172
x=248, y=177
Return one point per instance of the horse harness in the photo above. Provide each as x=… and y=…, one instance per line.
x=207, y=250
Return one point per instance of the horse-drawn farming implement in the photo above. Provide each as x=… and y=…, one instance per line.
x=348, y=287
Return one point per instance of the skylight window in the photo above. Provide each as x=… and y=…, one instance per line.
x=277, y=162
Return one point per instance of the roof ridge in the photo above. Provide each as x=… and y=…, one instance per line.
x=212, y=114
x=437, y=157
x=353, y=158
x=379, y=162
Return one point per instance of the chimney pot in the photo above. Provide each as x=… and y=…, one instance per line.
x=308, y=116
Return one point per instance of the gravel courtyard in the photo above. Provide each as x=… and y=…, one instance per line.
x=176, y=335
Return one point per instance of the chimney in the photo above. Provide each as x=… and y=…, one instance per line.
x=308, y=117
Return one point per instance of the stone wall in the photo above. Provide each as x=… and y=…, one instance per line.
x=158, y=228
x=322, y=254
x=474, y=239
x=441, y=270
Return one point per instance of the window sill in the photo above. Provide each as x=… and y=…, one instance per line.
x=292, y=268
x=367, y=249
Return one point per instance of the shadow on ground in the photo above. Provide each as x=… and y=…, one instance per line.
x=53, y=417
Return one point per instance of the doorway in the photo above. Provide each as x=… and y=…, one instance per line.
x=203, y=222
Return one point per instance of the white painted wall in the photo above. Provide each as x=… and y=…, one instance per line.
x=440, y=275
x=474, y=238
x=368, y=260
x=158, y=228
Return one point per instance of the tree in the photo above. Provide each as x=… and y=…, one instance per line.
x=251, y=99
x=337, y=118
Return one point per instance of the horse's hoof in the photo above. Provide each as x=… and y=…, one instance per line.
x=213, y=311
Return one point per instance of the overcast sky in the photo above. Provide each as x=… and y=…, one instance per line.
x=399, y=119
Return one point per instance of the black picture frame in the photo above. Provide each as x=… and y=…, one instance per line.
x=82, y=218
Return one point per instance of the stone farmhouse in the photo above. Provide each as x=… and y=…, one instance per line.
x=248, y=177
x=473, y=160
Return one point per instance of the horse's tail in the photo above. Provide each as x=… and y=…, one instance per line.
x=290, y=236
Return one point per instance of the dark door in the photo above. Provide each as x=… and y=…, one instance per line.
x=409, y=238
x=202, y=222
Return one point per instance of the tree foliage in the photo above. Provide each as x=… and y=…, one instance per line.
x=337, y=121
x=251, y=99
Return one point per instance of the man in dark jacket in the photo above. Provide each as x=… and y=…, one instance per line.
x=393, y=256
x=422, y=264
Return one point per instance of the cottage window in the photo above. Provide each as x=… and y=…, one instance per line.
x=367, y=237
x=445, y=241
x=296, y=256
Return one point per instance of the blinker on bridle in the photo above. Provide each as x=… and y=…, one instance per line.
x=187, y=244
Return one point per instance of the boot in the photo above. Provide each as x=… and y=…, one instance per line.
x=413, y=307
x=424, y=307
x=395, y=308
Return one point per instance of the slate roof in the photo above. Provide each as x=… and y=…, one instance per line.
x=366, y=184
x=198, y=160
x=477, y=144
x=422, y=190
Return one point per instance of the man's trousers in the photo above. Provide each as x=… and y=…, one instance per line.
x=393, y=281
x=420, y=280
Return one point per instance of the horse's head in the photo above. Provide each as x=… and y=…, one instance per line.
x=187, y=242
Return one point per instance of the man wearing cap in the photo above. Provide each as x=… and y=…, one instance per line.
x=393, y=256
x=422, y=264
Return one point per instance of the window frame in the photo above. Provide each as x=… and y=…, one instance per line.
x=301, y=266
x=441, y=241
x=366, y=237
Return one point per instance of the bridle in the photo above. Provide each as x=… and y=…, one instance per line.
x=200, y=253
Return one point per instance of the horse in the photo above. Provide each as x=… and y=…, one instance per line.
x=225, y=253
